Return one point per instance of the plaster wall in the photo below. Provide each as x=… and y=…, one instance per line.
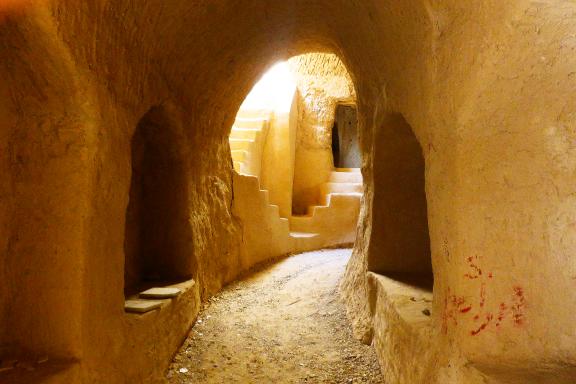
x=278, y=159
x=486, y=86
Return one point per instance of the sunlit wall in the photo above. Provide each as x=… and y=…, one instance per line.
x=273, y=92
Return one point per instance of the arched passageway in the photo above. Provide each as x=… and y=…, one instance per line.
x=486, y=86
x=286, y=182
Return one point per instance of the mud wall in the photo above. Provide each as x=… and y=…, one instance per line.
x=278, y=160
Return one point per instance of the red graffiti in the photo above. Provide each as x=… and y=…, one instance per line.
x=455, y=305
x=515, y=310
x=476, y=271
x=483, y=326
x=501, y=314
x=518, y=304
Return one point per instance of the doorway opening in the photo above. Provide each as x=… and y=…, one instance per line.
x=345, y=147
x=336, y=145
x=158, y=245
x=282, y=154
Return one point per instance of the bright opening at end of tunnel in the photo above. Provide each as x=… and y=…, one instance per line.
x=288, y=178
x=274, y=91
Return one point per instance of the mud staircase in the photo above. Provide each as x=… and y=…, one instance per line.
x=267, y=233
x=333, y=222
x=247, y=139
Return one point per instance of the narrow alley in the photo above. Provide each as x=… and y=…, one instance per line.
x=285, y=323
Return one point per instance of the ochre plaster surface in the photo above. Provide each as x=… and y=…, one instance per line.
x=486, y=86
x=278, y=160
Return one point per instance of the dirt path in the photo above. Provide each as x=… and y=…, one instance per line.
x=284, y=324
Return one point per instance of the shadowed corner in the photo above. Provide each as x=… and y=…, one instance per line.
x=10, y=8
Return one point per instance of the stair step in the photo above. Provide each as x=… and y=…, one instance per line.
x=342, y=188
x=340, y=195
x=345, y=177
x=240, y=143
x=356, y=195
x=303, y=235
x=244, y=133
x=250, y=123
x=355, y=170
x=238, y=166
x=274, y=209
x=239, y=155
x=255, y=123
x=312, y=208
x=141, y=306
x=302, y=224
x=253, y=114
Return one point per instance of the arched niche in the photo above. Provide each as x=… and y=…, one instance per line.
x=400, y=241
x=158, y=242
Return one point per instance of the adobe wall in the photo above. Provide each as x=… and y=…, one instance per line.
x=278, y=159
x=486, y=87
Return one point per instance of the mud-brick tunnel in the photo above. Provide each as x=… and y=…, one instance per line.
x=165, y=217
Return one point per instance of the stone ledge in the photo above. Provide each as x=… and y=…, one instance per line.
x=185, y=288
x=402, y=329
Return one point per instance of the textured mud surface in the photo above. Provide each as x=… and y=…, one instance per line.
x=283, y=324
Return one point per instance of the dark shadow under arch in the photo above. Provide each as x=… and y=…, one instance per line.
x=345, y=144
x=159, y=243
x=400, y=241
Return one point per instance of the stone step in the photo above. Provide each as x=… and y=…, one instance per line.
x=274, y=210
x=255, y=123
x=356, y=170
x=238, y=166
x=240, y=155
x=303, y=235
x=244, y=133
x=342, y=188
x=141, y=306
x=160, y=293
x=244, y=144
x=348, y=197
x=345, y=177
x=303, y=224
x=253, y=114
